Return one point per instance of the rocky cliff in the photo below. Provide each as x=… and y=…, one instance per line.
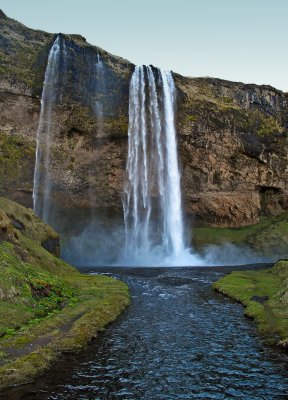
x=233, y=145
x=232, y=137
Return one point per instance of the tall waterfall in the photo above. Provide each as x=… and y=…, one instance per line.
x=50, y=93
x=152, y=195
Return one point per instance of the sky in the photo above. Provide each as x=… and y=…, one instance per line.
x=238, y=40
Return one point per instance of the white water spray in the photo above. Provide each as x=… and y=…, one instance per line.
x=173, y=207
x=44, y=138
x=152, y=194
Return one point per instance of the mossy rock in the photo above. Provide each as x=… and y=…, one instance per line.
x=264, y=294
x=17, y=156
x=269, y=237
x=47, y=307
x=28, y=224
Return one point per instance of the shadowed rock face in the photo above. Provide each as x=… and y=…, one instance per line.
x=232, y=137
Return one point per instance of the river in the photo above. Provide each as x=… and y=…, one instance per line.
x=178, y=340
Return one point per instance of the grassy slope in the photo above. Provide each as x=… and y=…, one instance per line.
x=46, y=306
x=268, y=237
x=23, y=53
x=270, y=306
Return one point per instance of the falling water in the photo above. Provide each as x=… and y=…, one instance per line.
x=152, y=195
x=101, y=89
x=42, y=178
x=98, y=86
x=173, y=208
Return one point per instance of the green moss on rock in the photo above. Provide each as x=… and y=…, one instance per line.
x=47, y=306
x=23, y=55
x=219, y=104
x=16, y=161
x=268, y=237
x=264, y=295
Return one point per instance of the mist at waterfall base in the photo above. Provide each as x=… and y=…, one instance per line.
x=95, y=245
x=102, y=243
x=52, y=88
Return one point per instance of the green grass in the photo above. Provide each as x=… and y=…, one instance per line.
x=216, y=235
x=268, y=237
x=28, y=290
x=208, y=104
x=47, y=307
x=35, y=229
x=269, y=309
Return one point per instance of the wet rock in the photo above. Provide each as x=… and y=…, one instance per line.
x=52, y=245
x=40, y=291
x=174, y=280
x=7, y=232
x=260, y=299
x=16, y=223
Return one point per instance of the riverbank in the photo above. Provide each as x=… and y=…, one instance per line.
x=264, y=295
x=180, y=339
x=47, y=307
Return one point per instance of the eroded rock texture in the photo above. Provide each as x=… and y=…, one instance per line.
x=232, y=137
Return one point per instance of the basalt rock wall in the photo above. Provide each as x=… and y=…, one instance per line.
x=232, y=137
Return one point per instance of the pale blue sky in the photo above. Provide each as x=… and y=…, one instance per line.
x=239, y=40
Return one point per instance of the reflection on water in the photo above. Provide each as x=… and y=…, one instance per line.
x=177, y=340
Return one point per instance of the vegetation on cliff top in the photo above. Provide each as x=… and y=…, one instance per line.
x=216, y=114
x=47, y=307
x=217, y=104
x=24, y=53
x=264, y=294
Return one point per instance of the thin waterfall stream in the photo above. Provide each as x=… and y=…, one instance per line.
x=42, y=179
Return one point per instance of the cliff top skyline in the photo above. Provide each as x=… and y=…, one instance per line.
x=238, y=41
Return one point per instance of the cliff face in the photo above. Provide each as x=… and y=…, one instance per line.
x=233, y=146
x=232, y=137
x=89, y=124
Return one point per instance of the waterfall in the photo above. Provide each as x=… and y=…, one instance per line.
x=100, y=89
x=173, y=206
x=152, y=194
x=44, y=138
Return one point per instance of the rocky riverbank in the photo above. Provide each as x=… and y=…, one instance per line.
x=264, y=294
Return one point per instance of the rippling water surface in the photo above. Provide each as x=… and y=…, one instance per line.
x=177, y=340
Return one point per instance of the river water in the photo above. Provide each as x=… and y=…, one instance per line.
x=178, y=340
